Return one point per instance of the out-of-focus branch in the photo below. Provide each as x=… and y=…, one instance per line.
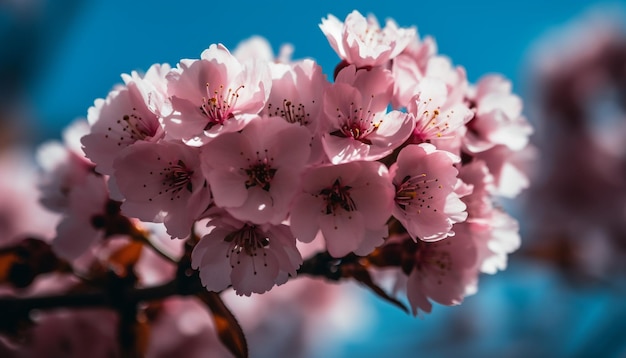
x=187, y=282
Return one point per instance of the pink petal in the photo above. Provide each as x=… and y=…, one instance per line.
x=255, y=273
x=228, y=188
x=416, y=295
x=283, y=188
x=304, y=212
x=258, y=207
x=227, y=151
x=343, y=232
x=344, y=150
x=372, y=240
x=74, y=237
x=332, y=28
x=316, y=179
x=291, y=146
x=209, y=257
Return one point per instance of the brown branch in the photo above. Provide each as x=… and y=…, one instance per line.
x=184, y=284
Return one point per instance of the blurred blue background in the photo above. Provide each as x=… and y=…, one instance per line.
x=58, y=56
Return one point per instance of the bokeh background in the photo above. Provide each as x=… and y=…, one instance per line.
x=57, y=56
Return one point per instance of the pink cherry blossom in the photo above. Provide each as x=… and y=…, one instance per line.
x=444, y=273
x=455, y=78
x=426, y=202
x=498, y=119
x=362, y=42
x=419, y=61
x=495, y=233
x=359, y=127
x=436, y=117
x=408, y=70
x=452, y=142
x=20, y=211
x=510, y=169
x=153, y=87
x=257, y=47
x=350, y=203
x=375, y=82
x=64, y=167
x=254, y=173
x=125, y=117
x=84, y=222
x=252, y=258
x=215, y=94
x=70, y=186
x=495, y=237
x=162, y=182
x=306, y=310
x=257, y=161
x=479, y=202
x=297, y=92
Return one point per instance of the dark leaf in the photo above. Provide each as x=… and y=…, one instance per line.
x=228, y=329
x=7, y=259
x=125, y=258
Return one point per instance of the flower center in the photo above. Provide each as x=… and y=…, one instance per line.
x=176, y=178
x=338, y=196
x=260, y=174
x=247, y=241
x=137, y=127
x=373, y=35
x=358, y=123
x=217, y=106
x=415, y=192
x=432, y=124
x=291, y=112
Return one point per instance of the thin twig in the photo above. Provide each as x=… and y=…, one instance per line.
x=144, y=237
x=320, y=265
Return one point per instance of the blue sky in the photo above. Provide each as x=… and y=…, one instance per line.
x=81, y=55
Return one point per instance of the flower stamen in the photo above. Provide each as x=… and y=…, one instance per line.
x=338, y=196
x=260, y=173
x=176, y=178
x=137, y=127
x=358, y=124
x=217, y=105
x=413, y=192
x=247, y=241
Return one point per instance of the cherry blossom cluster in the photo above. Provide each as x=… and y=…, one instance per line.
x=397, y=160
x=308, y=311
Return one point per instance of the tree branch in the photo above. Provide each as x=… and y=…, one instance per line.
x=320, y=265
